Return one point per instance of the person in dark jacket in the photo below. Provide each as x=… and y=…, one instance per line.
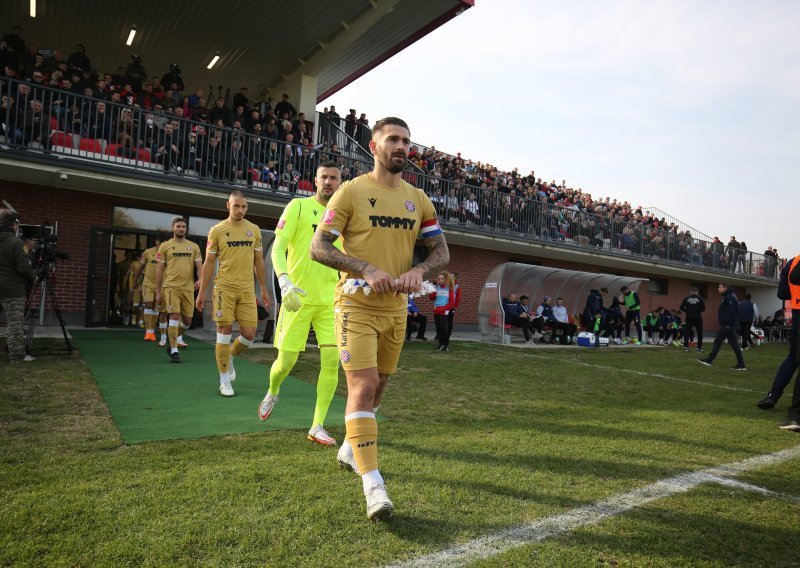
x=748, y=312
x=594, y=308
x=15, y=274
x=788, y=289
x=728, y=324
x=693, y=306
x=633, y=313
x=415, y=320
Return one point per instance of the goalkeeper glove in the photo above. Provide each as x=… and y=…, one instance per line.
x=291, y=295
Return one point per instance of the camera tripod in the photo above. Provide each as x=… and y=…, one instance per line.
x=43, y=286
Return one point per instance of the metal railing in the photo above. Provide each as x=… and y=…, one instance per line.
x=50, y=123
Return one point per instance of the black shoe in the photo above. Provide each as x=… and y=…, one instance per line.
x=175, y=357
x=699, y=349
x=444, y=349
x=738, y=368
x=438, y=348
x=790, y=424
x=766, y=403
x=685, y=349
x=705, y=362
x=423, y=338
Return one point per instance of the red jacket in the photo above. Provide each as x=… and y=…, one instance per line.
x=443, y=310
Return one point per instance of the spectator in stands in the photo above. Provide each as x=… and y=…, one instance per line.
x=770, y=262
x=78, y=59
x=561, y=324
x=733, y=254
x=470, y=209
x=36, y=127
x=263, y=104
x=167, y=151
x=10, y=122
x=14, y=40
x=415, y=320
x=135, y=73
x=285, y=107
x=220, y=112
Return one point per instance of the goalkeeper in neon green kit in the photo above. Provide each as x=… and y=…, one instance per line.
x=307, y=289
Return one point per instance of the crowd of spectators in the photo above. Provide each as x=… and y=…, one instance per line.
x=153, y=119
x=135, y=116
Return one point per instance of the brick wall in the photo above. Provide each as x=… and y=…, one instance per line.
x=76, y=212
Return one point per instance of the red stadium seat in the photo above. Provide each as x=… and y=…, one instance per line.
x=91, y=145
x=53, y=123
x=113, y=149
x=143, y=155
x=61, y=139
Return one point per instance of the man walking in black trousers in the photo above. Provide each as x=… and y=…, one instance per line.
x=728, y=324
x=693, y=306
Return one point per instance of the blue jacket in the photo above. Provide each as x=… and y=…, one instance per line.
x=547, y=312
x=746, y=311
x=594, y=306
x=729, y=309
x=511, y=310
x=412, y=307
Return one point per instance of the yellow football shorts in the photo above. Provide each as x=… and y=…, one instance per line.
x=291, y=332
x=178, y=301
x=367, y=340
x=149, y=295
x=231, y=306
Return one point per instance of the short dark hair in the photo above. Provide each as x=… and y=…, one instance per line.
x=523, y=297
x=748, y=297
x=8, y=218
x=623, y=289
x=604, y=290
x=329, y=164
x=179, y=220
x=389, y=120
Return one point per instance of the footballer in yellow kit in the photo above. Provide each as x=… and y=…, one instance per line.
x=175, y=283
x=307, y=299
x=236, y=244
x=147, y=264
x=380, y=217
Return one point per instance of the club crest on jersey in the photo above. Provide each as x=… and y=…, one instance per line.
x=410, y=206
x=189, y=247
x=249, y=233
x=281, y=224
x=328, y=217
x=344, y=356
x=219, y=313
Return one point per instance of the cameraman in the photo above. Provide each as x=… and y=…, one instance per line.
x=15, y=274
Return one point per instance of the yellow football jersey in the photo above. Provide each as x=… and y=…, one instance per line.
x=150, y=262
x=235, y=246
x=379, y=224
x=179, y=259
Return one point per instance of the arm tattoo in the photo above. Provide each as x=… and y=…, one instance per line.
x=438, y=255
x=323, y=251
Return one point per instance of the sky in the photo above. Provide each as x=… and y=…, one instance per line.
x=689, y=107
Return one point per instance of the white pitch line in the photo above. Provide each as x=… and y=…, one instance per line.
x=503, y=541
x=641, y=373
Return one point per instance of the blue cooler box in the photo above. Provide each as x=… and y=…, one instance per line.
x=586, y=339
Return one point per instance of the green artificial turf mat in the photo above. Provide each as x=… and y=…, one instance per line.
x=151, y=398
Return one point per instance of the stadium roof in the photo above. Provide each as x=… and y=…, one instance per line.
x=261, y=44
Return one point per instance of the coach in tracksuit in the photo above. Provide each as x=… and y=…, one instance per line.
x=728, y=324
x=693, y=306
x=788, y=289
x=633, y=312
